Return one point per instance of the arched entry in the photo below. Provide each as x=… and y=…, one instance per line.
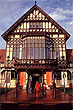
x=35, y=76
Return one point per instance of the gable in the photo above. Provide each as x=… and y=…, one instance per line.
x=30, y=26
x=36, y=14
x=34, y=21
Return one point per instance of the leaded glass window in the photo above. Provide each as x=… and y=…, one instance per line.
x=46, y=52
x=36, y=25
x=39, y=53
x=42, y=53
x=17, y=51
x=22, y=53
x=35, y=53
x=25, y=52
x=28, y=53
x=32, y=56
x=14, y=51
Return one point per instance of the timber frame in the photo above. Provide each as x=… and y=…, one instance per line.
x=36, y=44
x=9, y=31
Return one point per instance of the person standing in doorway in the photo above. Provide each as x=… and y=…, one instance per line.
x=29, y=87
x=37, y=88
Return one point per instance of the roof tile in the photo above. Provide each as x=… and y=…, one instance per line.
x=2, y=55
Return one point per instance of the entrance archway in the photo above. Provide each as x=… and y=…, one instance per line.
x=36, y=76
x=34, y=79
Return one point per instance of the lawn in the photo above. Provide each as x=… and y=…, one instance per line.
x=2, y=90
x=67, y=90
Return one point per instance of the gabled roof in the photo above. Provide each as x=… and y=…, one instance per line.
x=26, y=14
x=2, y=55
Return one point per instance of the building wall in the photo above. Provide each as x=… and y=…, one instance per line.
x=54, y=42
x=57, y=38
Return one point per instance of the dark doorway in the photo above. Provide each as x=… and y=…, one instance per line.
x=34, y=79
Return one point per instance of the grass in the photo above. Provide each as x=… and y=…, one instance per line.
x=67, y=90
x=2, y=90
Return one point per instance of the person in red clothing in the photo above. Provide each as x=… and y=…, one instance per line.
x=37, y=88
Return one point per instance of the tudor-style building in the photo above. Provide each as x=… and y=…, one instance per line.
x=36, y=48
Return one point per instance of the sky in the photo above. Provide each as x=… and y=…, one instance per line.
x=60, y=10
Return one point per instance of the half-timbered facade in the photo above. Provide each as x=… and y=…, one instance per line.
x=36, y=46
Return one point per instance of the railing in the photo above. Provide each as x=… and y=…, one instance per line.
x=16, y=62
x=53, y=62
x=35, y=61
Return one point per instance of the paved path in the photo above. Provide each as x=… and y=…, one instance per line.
x=24, y=98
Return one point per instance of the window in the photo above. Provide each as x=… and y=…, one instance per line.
x=53, y=53
x=47, y=49
x=34, y=49
x=57, y=54
x=40, y=25
x=16, y=51
x=28, y=53
x=35, y=53
x=36, y=25
x=42, y=53
x=22, y=53
x=32, y=53
x=25, y=53
x=46, y=52
x=39, y=53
